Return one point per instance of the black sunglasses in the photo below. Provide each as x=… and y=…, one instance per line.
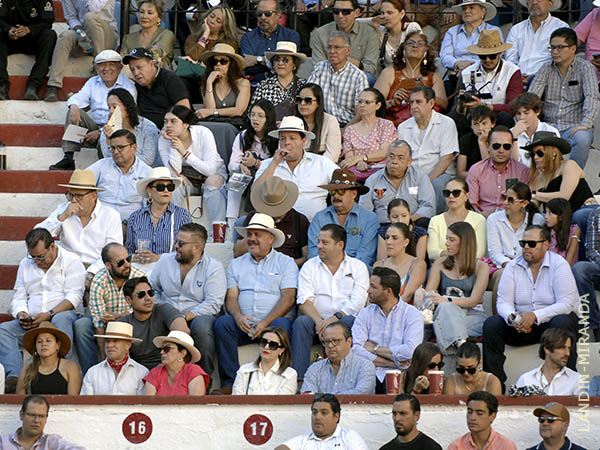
x=166, y=348
x=122, y=261
x=266, y=13
x=511, y=200
x=161, y=187
x=505, y=146
x=543, y=419
x=307, y=100
x=494, y=56
x=538, y=153
x=530, y=244
x=344, y=11
x=272, y=345
x=438, y=365
x=461, y=370
x=142, y=294
x=220, y=61
x=455, y=193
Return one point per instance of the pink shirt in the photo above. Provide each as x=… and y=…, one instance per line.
x=554, y=244
x=495, y=442
x=383, y=132
x=486, y=183
x=159, y=378
x=588, y=31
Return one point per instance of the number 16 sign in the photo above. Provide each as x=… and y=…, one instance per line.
x=258, y=429
x=137, y=428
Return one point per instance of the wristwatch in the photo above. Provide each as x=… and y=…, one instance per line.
x=52, y=314
x=375, y=349
x=260, y=59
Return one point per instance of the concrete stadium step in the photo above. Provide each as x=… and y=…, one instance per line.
x=33, y=181
x=33, y=205
x=6, y=296
x=12, y=252
x=40, y=158
x=18, y=84
x=18, y=113
x=15, y=228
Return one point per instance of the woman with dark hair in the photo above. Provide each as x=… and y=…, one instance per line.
x=366, y=141
x=469, y=377
x=146, y=133
x=271, y=373
x=427, y=356
x=458, y=281
x=399, y=212
x=564, y=236
x=414, y=65
x=309, y=106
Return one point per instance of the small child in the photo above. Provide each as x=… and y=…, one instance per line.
x=564, y=236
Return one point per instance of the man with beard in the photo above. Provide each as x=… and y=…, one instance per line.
x=194, y=284
x=406, y=413
x=106, y=303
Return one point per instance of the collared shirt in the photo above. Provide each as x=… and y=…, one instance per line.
x=270, y=89
x=569, y=101
x=341, y=439
x=103, y=228
x=260, y=283
x=487, y=183
x=400, y=331
x=311, y=172
x=341, y=88
x=439, y=139
x=592, y=237
x=251, y=380
x=553, y=292
x=75, y=11
x=121, y=188
x=106, y=297
x=529, y=48
x=587, y=31
x=146, y=138
x=101, y=380
x=524, y=140
x=496, y=441
x=455, y=43
x=345, y=290
x=37, y=291
x=94, y=93
x=202, y=291
x=568, y=445
x=45, y=442
x=361, y=226
x=356, y=375
x=415, y=188
x=154, y=101
x=565, y=382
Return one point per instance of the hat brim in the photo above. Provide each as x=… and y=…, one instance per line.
x=279, y=236
x=108, y=60
x=82, y=186
x=301, y=57
x=239, y=60
x=476, y=50
x=143, y=184
x=31, y=335
x=562, y=145
x=539, y=411
x=556, y=4
x=362, y=189
x=127, y=58
x=490, y=9
x=308, y=134
x=274, y=210
x=596, y=3
x=160, y=340
x=114, y=336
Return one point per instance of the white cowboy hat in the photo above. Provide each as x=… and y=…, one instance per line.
x=596, y=3
x=119, y=330
x=266, y=223
x=286, y=48
x=157, y=173
x=292, y=123
x=490, y=9
x=82, y=179
x=181, y=338
x=555, y=4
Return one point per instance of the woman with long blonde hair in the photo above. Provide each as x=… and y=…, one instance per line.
x=217, y=25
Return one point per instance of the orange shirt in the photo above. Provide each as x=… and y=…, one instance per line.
x=495, y=442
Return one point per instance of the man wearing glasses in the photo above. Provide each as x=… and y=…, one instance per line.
x=554, y=422
x=537, y=291
x=49, y=286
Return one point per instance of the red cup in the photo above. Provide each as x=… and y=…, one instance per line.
x=436, y=381
x=392, y=381
x=219, y=229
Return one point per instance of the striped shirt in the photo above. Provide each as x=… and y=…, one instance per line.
x=106, y=297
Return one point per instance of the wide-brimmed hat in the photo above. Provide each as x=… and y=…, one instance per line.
x=555, y=4
x=157, y=173
x=82, y=179
x=344, y=179
x=138, y=53
x=263, y=222
x=119, y=330
x=596, y=3
x=107, y=56
x=490, y=9
x=292, y=123
x=181, y=338
x=548, y=138
x=554, y=409
x=489, y=43
x=286, y=48
x=274, y=197
x=223, y=50
x=47, y=327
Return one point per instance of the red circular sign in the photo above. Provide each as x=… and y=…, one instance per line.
x=258, y=429
x=137, y=428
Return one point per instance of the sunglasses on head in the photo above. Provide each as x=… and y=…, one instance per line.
x=307, y=100
x=121, y=262
x=494, y=56
x=161, y=187
x=505, y=146
x=438, y=365
x=550, y=419
x=266, y=13
x=142, y=294
x=538, y=153
x=530, y=244
x=344, y=11
x=454, y=192
x=272, y=345
x=510, y=200
x=461, y=370
x=220, y=61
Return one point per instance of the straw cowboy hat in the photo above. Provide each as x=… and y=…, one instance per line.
x=490, y=9
x=555, y=4
x=548, y=138
x=292, y=123
x=489, y=43
x=286, y=48
x=263, y=222
x=157, y=173
x=344, y=179
x=274, y=197
x=119, y=330
x=47, y=327
x=223, y=50
x=82, y=179
x=181, y=338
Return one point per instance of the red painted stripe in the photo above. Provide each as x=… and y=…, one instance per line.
x=8, y=275
x=34, y=181
x=18, y=83
x=59, y=15
x=14, y=228
x=28, y=135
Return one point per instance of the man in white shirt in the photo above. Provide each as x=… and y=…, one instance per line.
x=331, y=287
x=84, y=224
x=194, y=284
x=553, y=377
x=118, y=374
x=49, y=286
x=326, y=430
x=433, y=139
x=290, y=162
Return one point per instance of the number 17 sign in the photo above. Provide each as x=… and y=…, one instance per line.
x=258, y=429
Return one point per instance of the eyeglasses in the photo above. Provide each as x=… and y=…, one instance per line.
x=412, y=43
x=538, y=153
x=36, y=416
x=161, y=187
x=490, y=57
x=220, y=61
x=180, y=243
x=550, y=419
x=330, y=342
x=142, y=294
x=121, y=262
x=438, y=365
x=461, y=370
x=70, y=196
x=307, y=100
x=344, y=11
x=266, y=13
x=455, y=193
x=119, y=148
x=283, y=59
x=530, y=244
x=39, y=258
x=337, y=191
x=510, y=200
x=262, y=342
x=166, y=348
x=505, y=146
x=560, y=48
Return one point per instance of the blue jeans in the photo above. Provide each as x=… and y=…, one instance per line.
x=580, y=218
x=303, y=336
x=580, y=143
x=451, y=322
x=85, y=342
x=227, y=338
x=11, y=336
x=201, y=330
x=587, y=277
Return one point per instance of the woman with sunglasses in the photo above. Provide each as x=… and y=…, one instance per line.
x=225, y=92
x=366, y=141
x=458, y=281
x=469, y=377
x=159, y=221
x=414, y=65
x=456, y=194
x=427, y=356
x=217, y=25
x=309, y=106
x=271, y=373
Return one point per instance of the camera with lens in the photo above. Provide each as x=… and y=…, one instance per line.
x=471, y=91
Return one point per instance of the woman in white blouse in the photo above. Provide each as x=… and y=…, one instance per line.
x=271, y=373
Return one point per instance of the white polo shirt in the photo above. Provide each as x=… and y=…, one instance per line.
x=341, y=439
